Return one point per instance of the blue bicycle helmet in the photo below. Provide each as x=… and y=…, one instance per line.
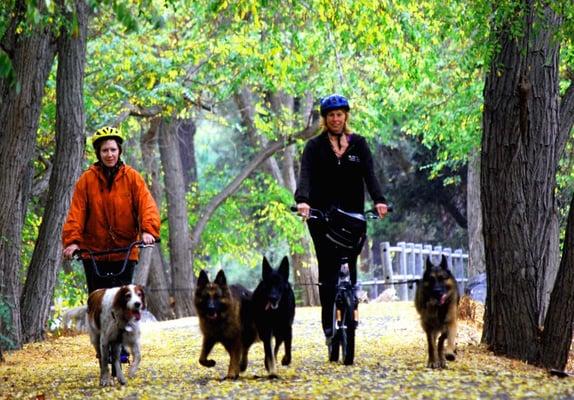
x=334, y=102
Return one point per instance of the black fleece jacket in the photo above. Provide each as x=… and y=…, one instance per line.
x=325, y=180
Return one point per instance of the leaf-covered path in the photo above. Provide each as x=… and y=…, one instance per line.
x=390, y=364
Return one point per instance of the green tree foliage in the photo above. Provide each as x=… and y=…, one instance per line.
x=412, y=70
x=397, y=62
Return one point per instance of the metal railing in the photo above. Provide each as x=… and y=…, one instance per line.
x=405, y=263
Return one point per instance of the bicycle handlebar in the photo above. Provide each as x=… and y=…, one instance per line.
x=138, y=243
x=127, y=250
x=316, y=213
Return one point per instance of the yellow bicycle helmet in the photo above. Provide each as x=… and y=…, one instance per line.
x=107, y=132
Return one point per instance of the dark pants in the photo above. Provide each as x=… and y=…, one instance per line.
x=329, y=261
x=103, y=282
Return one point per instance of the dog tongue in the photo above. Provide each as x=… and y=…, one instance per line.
x=137, y=315
x=443, y=298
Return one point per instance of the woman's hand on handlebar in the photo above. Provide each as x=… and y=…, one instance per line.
x=69, y=251
x=148, y=238
x=303, y=209
x=382, y=209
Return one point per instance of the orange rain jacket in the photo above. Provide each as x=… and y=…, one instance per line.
x=101, y=219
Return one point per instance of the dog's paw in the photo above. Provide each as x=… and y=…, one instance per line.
x=286, y=360
x=106, y=381
x=450, y=356
x=231, y=376
x=132, y=373
x=122, y=380
x=273, y=376
x=436, y=364
x=207, y=363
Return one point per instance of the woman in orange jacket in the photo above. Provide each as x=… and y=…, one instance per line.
x=111, y=208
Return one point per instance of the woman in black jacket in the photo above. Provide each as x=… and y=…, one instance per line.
x=335, y=168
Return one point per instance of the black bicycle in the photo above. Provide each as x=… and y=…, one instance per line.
x=347, y=232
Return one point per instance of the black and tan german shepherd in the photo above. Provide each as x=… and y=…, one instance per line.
x=225, y=316
x=274, y=310
x=436, y=301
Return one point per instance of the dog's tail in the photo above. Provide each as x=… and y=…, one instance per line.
x=76, y=319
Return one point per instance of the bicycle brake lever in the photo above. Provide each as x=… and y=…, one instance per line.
x=76, y=255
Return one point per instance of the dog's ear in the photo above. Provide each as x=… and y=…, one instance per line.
x=266, y=270
x=141, y=292
x=284, y=268
x=443, y=262
x=429, y=263
x=202, y=280
x=220, y=278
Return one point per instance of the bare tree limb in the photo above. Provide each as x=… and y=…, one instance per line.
x=267, y=152
x=42, y=180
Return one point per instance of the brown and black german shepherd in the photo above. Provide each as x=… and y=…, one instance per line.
x=436, y=300
x=225, y=316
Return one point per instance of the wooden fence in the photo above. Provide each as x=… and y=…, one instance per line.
x=406, y=261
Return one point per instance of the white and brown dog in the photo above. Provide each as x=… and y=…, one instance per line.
x=113, y=321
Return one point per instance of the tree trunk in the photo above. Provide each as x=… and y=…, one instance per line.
x=70, y=125
x=153, y=274
x=519, y=162
x=304, y=265
x=305, y=276
x=159, y=299
x=180, y=248
x=32, y=57
x=474, y=217
x=141, y=272
x=550, y=270
x=186, y=135
x=557, y=335
x=305, y=269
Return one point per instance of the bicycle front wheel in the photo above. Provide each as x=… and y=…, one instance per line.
x=349, y=334
x=333, y=342
x=334, y=347
x=349, y=349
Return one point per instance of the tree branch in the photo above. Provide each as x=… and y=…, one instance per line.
x=267, y=152
x=42, y=180
x=131, y=110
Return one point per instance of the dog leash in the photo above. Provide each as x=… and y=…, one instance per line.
x=405, y=282
x=386, y=282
